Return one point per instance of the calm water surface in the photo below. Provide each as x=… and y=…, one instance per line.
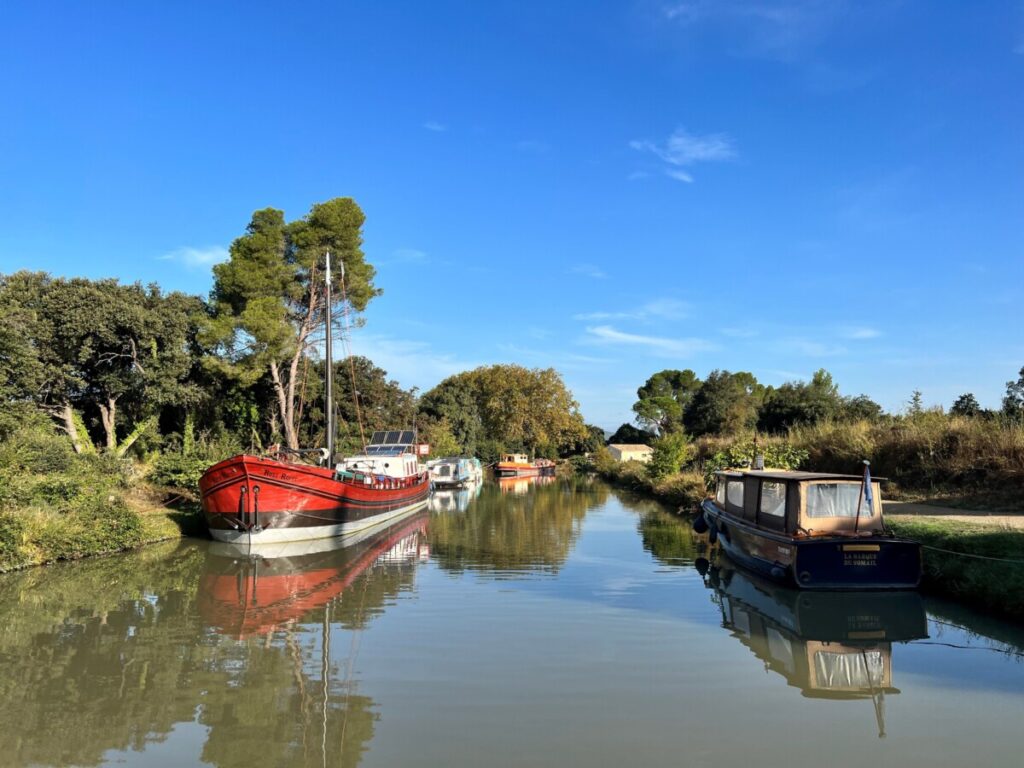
x=520, y=625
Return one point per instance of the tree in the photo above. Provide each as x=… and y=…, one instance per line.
x=916, y=405
x=664, y=398
x=269, y=295
x=378, y=403
x=630, y=435
x=454, y=400
x=671, y=451
x=509, y=406
x=1013, y=401
x=860, y=408
x=104, y=348
x=797, y=402
x=726, y=403
x=966, y=405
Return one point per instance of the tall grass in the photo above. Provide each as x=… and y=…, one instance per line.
x=930, y=452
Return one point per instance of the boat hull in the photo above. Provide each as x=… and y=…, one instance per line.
x=819, y=562
x=248, y=498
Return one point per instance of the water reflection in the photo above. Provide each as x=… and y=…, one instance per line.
x=454, y=499
x=830, y=645
x=257, y=589
x=110, y=656
x=522, y=485
x=509, y=533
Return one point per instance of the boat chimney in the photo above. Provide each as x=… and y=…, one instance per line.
x=758, y=461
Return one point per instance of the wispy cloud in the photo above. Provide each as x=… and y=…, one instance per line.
x=860, y=333
x=680, y=347
x=588, y=270
x=197, y=258
x=436, y=127
x=412, y=363
x=740, y=333
x=777, y=29
x=664, y=309
x=810, y=347
x=682, y=149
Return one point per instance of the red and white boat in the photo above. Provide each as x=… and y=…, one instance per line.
x=253, y=498
x=275, y=499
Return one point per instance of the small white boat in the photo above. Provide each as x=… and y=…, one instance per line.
x=451, y=472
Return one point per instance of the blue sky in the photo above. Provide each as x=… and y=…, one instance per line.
x=607, y=188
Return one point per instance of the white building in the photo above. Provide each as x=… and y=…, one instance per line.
x=629, y=452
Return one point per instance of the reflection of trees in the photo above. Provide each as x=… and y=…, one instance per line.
x=110, y=654
x=667, y=537
x=507, y=532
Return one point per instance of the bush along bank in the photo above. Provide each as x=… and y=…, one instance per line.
x=56, y=504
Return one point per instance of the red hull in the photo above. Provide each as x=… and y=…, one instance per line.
x=257, y=495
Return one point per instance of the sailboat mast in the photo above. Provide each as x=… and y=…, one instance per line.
x=329, y=399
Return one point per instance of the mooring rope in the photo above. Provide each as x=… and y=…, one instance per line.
x=968, y=554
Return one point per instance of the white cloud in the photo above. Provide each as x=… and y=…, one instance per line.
x=682, y=149
x=436, y=127
x=606, y=334
x=197, y=258
x=812, y=348
x=665, y=309
x=588, y=270
x=781, y=29
x=412, y=363
x=679, y=175
x=860, y=333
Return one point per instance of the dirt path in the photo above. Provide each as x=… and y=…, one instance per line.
x=898, y=509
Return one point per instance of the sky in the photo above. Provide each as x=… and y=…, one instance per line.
x=610, y=189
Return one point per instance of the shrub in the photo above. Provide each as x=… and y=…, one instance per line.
x=670, y=453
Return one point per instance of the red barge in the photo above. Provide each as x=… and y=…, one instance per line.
x=252, y=498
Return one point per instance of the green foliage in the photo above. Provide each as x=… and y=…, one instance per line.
x=664, y=398
x=509, y=407
x=966, y=405
x=1013, y=401
x=269, y=299
x=630, y=435
x=671, y=451
x=778, y=454
x=726, y=403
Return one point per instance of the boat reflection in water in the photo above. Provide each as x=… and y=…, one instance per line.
x=455, y=499
x=253, y=590
x=830, y=645
x=522, y=485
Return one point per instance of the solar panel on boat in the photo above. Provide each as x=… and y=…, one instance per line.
x=377, y=438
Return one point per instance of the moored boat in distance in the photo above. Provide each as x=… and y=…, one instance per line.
x=452, y=471
x=814, y=530
x=519, y=465
x=270, y=499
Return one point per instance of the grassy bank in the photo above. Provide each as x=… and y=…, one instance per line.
x=56, y=504
x=982, y=580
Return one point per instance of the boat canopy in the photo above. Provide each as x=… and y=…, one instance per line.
x=800, y=502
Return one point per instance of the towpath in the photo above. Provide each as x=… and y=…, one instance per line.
x=899, y=509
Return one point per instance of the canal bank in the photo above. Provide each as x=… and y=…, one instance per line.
x=977, y=560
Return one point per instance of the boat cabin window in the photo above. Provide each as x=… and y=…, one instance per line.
x=720, y=493
x=734, y=493
x=773, y=499
x=836, y=500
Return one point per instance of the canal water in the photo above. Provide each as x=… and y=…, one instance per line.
x=563, y=624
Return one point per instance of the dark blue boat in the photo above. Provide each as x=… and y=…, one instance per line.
x=812, y=530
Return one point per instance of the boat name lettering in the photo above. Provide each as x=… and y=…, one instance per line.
x=278, y=475
x=860, y=558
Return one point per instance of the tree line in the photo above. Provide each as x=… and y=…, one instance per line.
x=129, y=368
x=675, y=402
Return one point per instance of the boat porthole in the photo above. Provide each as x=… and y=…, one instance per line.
x=805, y=576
